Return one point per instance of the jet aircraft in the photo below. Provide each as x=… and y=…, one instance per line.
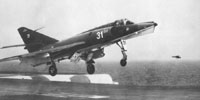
x=177, y=57
x=87, y=46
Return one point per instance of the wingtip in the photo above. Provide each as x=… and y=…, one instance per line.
x=2, y=48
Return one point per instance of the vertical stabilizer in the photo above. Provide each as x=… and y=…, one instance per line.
x=33, y=40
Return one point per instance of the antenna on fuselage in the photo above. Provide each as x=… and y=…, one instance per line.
x=38, y=29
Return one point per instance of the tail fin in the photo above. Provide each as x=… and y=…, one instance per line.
x=34, y=40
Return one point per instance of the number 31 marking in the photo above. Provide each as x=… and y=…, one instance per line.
x=99, y=35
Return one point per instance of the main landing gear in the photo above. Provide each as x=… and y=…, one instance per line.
x=52, y=68
x=90, y=66
x=122, y=44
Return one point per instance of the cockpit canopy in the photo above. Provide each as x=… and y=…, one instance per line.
x=115, y=23
x=122, y=22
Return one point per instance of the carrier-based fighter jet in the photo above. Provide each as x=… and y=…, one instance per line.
x=87, y=46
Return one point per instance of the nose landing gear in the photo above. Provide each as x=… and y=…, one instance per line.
x=123, y=62
x=122, y=44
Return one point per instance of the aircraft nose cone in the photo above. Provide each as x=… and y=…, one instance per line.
x=155, y=24
x=152, y=23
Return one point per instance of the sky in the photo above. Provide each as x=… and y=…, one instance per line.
x=177, y=32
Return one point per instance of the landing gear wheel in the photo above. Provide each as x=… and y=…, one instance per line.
x=90, y=68
x=52, y=70
x=123, y=62
x=121, y=44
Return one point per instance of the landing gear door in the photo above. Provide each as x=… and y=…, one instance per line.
x=75, y=57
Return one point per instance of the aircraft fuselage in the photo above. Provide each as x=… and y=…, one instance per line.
x=101, y=37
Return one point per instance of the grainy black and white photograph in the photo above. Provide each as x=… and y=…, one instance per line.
x=99, y=50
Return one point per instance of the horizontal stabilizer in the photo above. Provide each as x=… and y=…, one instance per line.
x=11, y=46
x=51, y=50
x=10, y=58
x=21, y=45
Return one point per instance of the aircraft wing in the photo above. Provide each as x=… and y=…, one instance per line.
x=51, y=50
